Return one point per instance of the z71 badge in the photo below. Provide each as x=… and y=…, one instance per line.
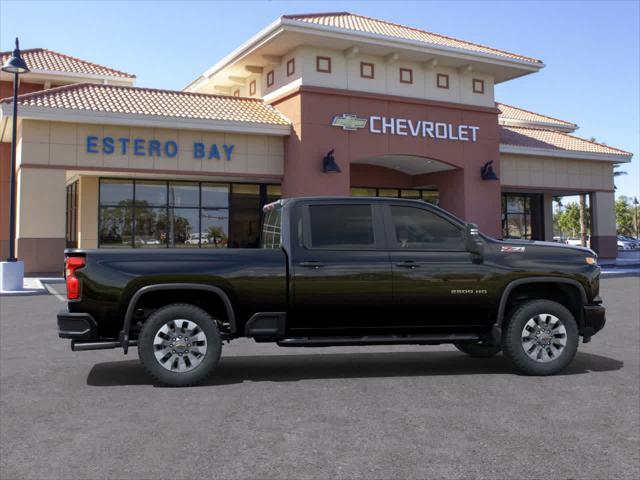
x=512, y=249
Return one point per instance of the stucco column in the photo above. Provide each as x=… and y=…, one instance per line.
x=88, y=212
x=41, y=219
x=547, y=216
x=603, y=224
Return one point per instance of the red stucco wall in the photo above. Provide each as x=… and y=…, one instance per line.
x=462, y=191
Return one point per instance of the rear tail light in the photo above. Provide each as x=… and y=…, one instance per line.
x=73, y=284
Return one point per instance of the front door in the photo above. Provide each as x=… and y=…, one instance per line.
x=341, y=271
x=436, y=283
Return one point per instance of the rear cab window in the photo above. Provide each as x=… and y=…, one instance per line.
x=271, y=235
x=341, y=227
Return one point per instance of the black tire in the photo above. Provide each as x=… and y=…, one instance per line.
x=479, y=350
x=513, y=344
x=207, y=362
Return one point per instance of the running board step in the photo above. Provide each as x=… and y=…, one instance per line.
x=77, y=346
x=376, y=340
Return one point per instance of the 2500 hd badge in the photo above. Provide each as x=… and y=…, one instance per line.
x=333, y=272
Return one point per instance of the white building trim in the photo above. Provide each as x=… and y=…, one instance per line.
x=572, y=154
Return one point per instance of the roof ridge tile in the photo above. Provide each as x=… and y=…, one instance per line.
x=536, y=113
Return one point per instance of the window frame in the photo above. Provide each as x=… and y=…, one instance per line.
x=446, y=78
x=320, y=70
x=252, y=88
x=373, y=70
x=480, y=82
x=391, y=236
x=291, y=63
x=379, y=242
x=270, y=78
x=263, y=191
x=410, y=72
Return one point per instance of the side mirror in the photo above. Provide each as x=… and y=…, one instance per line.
x=473, y=242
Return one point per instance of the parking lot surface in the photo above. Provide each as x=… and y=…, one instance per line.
x=351, y=412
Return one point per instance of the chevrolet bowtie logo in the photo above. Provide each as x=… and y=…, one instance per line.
x=349, y=122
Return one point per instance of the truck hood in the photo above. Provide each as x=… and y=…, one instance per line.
x=553, y=245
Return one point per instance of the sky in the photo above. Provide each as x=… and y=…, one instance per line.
x=591, y=49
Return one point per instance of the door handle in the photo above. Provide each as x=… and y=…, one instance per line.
x=312, y=264
x=408, y=264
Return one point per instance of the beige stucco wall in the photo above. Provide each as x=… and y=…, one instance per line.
x=603, y=212
x=41, y=203
x=88, y=212
x=555, y=173
x=345, y=74
x=64, y=145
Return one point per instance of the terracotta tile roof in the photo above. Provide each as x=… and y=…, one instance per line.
x=43, y=59
x=553, y=140
x=360, y=23
x=515, y=113
x=147, y=101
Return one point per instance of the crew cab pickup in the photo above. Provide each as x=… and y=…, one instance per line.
x=335, y=271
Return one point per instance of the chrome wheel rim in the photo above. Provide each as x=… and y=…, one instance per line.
x=180, y=345
x=544, y=337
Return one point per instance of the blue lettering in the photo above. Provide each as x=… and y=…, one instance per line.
x=107, y=145
x=124, y=142
x=228, y=150
x=154, y=147
x=213, y=152
x=92, y=144
x=170, y=149
x=138, y=146
x=198, y=150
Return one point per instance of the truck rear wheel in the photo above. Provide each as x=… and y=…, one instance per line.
x=541, y=337
x=179, y=345
x=480, y=350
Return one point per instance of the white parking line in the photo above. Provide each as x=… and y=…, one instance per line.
x=54, y=293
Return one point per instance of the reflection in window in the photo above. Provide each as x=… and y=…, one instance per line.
x=215, y=227
x=418, y=229
x=184, y=227
x=429, y=196
x=151, y=226
x=181, y=214
x=116, y=226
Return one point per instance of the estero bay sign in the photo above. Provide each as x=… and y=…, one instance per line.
x=160, y=148
x=408, y=127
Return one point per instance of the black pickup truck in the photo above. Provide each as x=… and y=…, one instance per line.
x=337, y=271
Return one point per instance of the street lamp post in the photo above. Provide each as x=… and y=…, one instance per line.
x=12, y=270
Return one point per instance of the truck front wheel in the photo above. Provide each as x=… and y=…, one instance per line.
x=541, y=337
x=179, y=345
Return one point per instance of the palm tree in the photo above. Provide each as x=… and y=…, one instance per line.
x=583, y=219
x=617, y=173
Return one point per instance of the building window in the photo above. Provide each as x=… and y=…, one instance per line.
x=323, y=64
x=72, y=215
x=270, y=78
x=181, y=214
x=367, y=70
x=521, y=216
x=442, y=80
x=252, y=88
x=478, y=86
x=406, y=75
x=236, y=93
x=291, y=67
x=430, y=196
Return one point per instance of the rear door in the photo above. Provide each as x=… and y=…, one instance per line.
x=436, y=283
x=341, y=270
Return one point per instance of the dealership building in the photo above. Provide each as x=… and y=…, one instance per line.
x=404, y=112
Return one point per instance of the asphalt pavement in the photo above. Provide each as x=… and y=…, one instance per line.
x=352, y=412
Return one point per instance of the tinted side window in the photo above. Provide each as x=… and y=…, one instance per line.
x=417, y=229
x=341, y=226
